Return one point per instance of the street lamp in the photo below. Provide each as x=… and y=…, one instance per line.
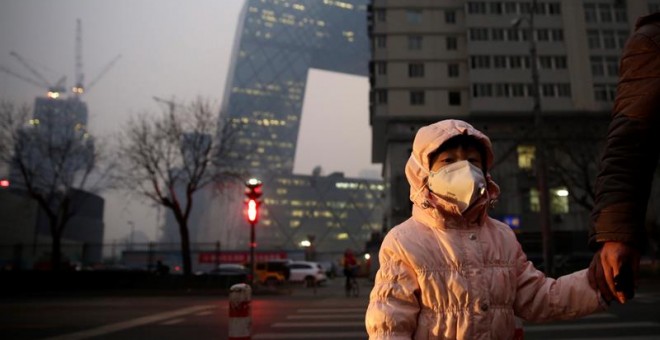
x=541, y=164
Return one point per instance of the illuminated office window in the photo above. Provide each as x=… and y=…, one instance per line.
x=526, y=156
x=559, y=200
x=534, y=200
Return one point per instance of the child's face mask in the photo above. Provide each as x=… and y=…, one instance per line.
x=461, y=183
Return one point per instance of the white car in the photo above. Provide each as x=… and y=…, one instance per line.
x=306, y=271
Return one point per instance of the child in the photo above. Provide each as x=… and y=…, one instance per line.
x=452, y=272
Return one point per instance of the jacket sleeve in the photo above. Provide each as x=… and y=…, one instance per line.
x=393, y=303
x=631, y=150
x=539, y=298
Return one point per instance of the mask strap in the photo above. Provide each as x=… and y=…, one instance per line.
x=422, y=187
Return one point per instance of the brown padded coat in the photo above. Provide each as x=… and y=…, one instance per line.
x=631, y=153
x=444, y=275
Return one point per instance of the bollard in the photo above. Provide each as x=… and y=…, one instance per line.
x=240, y=319
x=519, y=333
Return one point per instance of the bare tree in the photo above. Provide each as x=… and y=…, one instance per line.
x=169, y=158
x=52, y=157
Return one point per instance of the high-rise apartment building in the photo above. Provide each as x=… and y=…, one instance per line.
x=472, y=60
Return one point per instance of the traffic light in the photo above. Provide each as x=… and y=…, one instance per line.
x=4, y=183
x=253, y=192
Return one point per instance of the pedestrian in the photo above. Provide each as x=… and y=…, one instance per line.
x=452, y=272
x=350, y=265
x=627, y=165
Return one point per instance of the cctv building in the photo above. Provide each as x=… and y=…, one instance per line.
x=277, y=43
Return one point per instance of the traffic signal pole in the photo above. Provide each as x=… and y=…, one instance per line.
x=253, y=192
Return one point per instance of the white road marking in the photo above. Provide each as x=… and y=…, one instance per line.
x=319, y=324
x=120, y=326
x=331, y=310
x=326, y=317
x=588, y=326
x=308, y=335
x=172, y=322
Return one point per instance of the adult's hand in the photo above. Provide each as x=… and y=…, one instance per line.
x=597, y=279
x=615, y=256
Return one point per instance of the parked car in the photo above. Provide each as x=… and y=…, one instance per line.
x=225, y=275
x=271, y=273
x=310, y=273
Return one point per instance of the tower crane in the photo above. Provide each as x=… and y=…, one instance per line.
x=54, y=91
x=79, y=87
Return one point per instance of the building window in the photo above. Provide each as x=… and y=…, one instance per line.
x=381, y=41
x=526, y=156
x=478, y=34
x=512, y=34
x=476, y=7
x=612, y=66
x=414, y=16
x=416, y=70
x=381, y=68
x=452, y=70
x=554, y=8
x=622, y=37
x=381, y=96
x=604, y=92
x=510, y=7
x=454, y=98
x=414, y=42
x=499, y=61
x=534, y=200
x=564, y=90
x=518, y=90
x=540, y=8
x=450, y=17
x=593, y=39
x=560, y=62
x=590, y=13
x=416, y=98
x=545, y=62
x=559, y=200
x=497, y=34
x=480, y=61
x=597, y=69
x=605, y=12
x=526, y=8
x=381, y=15
x=620, y=14
x=495, y=8
x=452, y=43
x=557, y=34
x=482, y=90
x=515, y=61
x=548, y=90
x=609, y=42
x=502, y=90
x=542, y=35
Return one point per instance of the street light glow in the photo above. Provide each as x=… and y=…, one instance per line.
x=562, y=192
x=305, y=243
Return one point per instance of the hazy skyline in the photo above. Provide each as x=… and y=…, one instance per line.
x=175, y=51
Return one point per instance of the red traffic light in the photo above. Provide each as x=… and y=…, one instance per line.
x=4, y=183
x=252, y=211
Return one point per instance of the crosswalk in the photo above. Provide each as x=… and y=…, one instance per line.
x=344, y=319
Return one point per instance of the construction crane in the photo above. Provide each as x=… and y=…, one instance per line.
x=79, y=87
x=53, y=91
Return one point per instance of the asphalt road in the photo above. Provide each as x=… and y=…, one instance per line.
x=300, y=314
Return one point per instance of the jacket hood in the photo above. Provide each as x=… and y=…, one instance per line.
x=428, y=139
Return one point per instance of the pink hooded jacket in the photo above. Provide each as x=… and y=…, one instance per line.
x=444, y=275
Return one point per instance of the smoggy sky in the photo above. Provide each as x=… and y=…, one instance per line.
x=174, y=50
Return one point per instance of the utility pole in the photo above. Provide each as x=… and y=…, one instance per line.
x=539, y=141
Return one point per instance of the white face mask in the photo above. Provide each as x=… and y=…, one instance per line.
x=461, y=183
